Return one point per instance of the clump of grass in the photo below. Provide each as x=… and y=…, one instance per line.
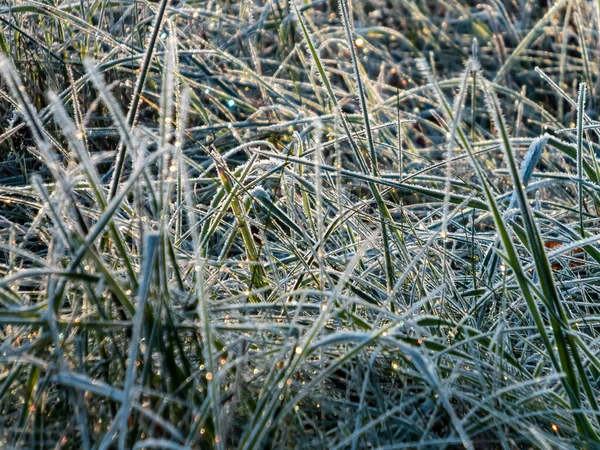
x=298, y=225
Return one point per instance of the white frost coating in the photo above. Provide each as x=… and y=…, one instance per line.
x=529, y=162
x=267, y=165
x=259, y=191
x=456, y=115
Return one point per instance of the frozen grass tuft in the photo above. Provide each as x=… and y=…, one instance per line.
x=299, y=225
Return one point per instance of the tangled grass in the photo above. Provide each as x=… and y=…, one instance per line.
x=304, y=225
